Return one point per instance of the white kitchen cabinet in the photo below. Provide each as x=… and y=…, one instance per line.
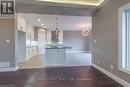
x=30, y=32
x=18, y=22
x=27, y=54
x=55, y=56
x=51, y=56
x=35, y=51
x=21, y=23
x=31, y=52
x=61, y=55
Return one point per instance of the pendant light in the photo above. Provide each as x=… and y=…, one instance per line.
x=57, y=30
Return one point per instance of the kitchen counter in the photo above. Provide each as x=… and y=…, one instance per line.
x=57, y=47
x=30, y=46
x=55, y=55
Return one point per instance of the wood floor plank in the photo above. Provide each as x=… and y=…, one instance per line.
x=57, y=77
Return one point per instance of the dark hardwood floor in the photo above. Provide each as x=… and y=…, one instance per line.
x=57, y=77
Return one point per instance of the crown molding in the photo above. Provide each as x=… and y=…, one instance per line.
x=103, y=3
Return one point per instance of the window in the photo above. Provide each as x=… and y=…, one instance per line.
x=124, y=39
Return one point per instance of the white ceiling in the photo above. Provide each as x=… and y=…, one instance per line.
x=65, y=3
x=73, y=23
x=82, y=2
x=64, y=7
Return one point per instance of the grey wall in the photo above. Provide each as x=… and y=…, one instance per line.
x=76, y=40
x=105, y=31
x=7, y=31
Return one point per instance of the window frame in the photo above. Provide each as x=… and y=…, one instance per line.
x=121, y=38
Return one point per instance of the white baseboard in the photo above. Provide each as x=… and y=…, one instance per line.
x=114, y=77
x=78, y=52
x=10, y=69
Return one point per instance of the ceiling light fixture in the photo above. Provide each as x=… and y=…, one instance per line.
x=57, y=30
x=39, y=20
x=86, y=31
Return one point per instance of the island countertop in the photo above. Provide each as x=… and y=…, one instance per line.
x=58, y=47
x=55, y=54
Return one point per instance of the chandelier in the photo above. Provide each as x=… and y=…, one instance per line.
x=86, y=31
x=57, y=30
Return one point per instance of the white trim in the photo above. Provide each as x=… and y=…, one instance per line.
x=124, y=70
x=78, y=52
x=114, y=77
x=63, y=66
x=103, y=3
x=10, y=69
x=38, y=2
x=121, y=38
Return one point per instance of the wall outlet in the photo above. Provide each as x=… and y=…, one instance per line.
x=111, y=66
x=98, y=61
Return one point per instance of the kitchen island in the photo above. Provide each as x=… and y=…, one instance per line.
x=55, y=55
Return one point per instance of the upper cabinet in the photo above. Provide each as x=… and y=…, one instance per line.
x=30, y=32
x=21, y=23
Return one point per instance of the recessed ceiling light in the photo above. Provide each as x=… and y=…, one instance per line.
x=39, y=20
x=42, y=24
x=41, y=29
